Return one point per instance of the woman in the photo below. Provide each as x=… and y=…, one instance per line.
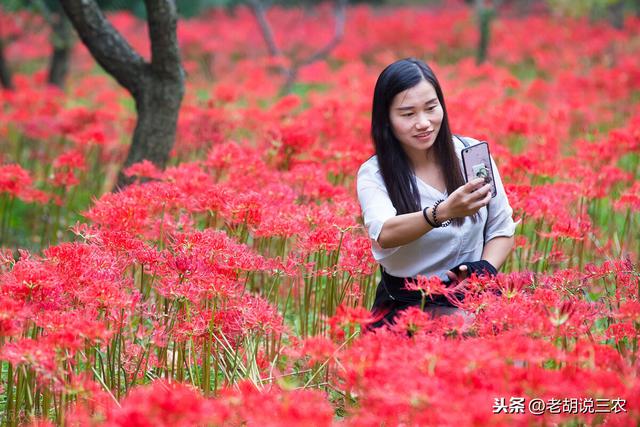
x=420, y=215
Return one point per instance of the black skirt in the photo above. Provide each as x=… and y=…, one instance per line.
x=392, y=297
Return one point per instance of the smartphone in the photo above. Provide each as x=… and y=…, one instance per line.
x=476, y=162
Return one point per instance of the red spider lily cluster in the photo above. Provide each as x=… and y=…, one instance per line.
x=234, y=287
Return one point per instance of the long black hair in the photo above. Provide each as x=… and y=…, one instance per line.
x=397, y=170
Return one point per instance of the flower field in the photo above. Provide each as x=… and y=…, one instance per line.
x=232, y=288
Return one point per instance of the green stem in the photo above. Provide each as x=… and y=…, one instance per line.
x=6, y=219
x=19, y=395
x=206, y=364
x=46, y=403
x=9, y=407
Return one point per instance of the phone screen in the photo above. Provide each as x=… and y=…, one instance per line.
x=477, y=164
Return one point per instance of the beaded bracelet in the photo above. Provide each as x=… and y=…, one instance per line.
x=435, y=218
x=426, y=216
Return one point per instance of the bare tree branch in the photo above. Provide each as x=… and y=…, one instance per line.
x=291, y=73
x=261, y=15
x=340, y=16
x=163, y=21
x=105, y=43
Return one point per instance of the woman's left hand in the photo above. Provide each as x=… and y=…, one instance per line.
x=462, y=274
x=464, y=270
x=458, y=283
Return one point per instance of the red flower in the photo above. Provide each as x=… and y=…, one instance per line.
x=143, y=169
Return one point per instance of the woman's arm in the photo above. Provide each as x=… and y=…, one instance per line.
x=497, y=250
x=465, y=201
x=403, y=229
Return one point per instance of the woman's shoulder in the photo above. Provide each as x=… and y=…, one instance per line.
x=458, y=141
x=370, y=174
x=370, y=166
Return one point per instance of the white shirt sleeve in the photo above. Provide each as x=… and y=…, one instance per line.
x=376, y=205
x=499, y=221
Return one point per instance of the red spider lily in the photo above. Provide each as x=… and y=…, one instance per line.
x=226, y=93
x=608, y=267
x=6, y=258
x=231, y=156
x=17, y=182
x=570, y=317
x=349, y=317
x=143, y=169
x=13, y=315
x=429, y=286
x=548, y=201
x=540, y=310
x=630, y=198
x=278, y=407
x=84, y=126
x=260, y=316
x=618, y=274
x=311, y=182
x=288, y=141
x=11, y=25
x=199, y=128
x=431, y=366
x=514, y=283
x=66, y=166
x=355, y=255
x=570, y=227
x=629, y=310
x=413, y=320
x=558, y=315
x=72, y=159
x=166, y=404
x=318, y=349
x=32, y=281
x=202, y=263
x=126, y=247
x=39, y=355
x=244, y=208
x=623, y=330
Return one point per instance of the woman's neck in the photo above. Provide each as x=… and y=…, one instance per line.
x=422, y=159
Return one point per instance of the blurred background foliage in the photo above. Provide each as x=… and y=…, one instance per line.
x=593, y=9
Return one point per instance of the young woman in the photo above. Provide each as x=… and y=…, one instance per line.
x=421, y=216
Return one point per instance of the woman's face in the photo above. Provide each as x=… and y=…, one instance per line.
x=416, y=116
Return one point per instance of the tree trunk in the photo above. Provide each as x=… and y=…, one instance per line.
x=5, y=73
x=157, y=105
x=616, y=14
x=61, y=42
x=484, y=16
x=522, y=8
x=157, y=86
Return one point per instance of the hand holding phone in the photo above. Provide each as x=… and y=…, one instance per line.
x=466, y=200
x=476, y=162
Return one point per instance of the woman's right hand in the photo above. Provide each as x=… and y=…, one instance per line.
x=466, y=200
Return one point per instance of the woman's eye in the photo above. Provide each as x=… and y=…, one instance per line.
x=407, y=114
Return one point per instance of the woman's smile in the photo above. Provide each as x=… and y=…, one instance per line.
x=424, y=136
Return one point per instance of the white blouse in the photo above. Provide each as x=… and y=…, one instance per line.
x=440, y=249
